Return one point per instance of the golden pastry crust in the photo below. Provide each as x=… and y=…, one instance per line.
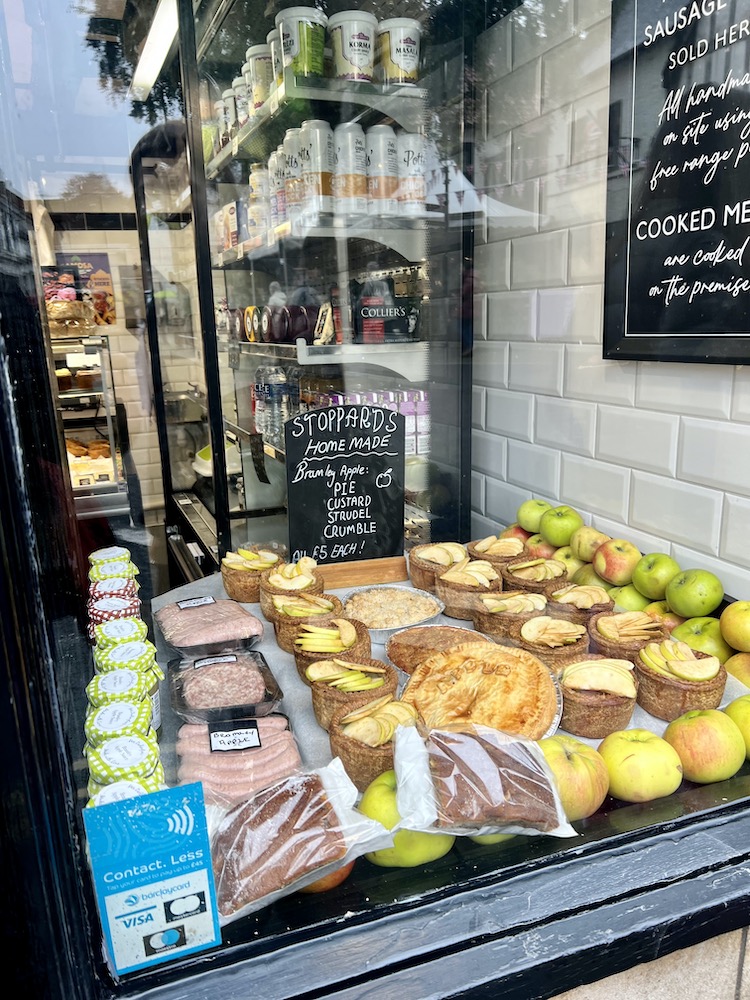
x=506, y=689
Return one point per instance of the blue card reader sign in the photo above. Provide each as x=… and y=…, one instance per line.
x=154, y=883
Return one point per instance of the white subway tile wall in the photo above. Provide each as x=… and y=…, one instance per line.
x=658, y=453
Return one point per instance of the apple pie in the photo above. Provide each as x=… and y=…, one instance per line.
x=496, y=686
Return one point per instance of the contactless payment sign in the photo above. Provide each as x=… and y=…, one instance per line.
x=151, y=860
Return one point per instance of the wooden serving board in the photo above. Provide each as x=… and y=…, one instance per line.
x=363, y=571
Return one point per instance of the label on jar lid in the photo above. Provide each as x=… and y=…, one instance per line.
x=120, y=630
x=208, y=660
x=138, y=654
x=153, y=782
x=111, y=604
x=117, y=791
x=123, y=757
x=195, y=602
x=112, y=553
x=118, y=718
x=122, y=684
x=112, y=569
x=227, y=736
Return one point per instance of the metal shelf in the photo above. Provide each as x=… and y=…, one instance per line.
x=409, y=360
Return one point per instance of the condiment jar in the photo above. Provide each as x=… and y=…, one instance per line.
x=120, y=630
x=118, y=718
x=111, y=569
x=112, y=553
x=125, y=758
x=117, y=792
x=117, y=685
x=140, y=656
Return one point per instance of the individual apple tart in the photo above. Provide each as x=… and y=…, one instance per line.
x=490, y=685
x=674, y=679
x=578, y=603
x=363, y=737
x=408, y=647
x=426, y=562
x=496, y=549
x=460, y=586
x=288, y=578
x=555, y=641
x=495, y=613
x=241, y=571
x=534, y=575
x=291, y=611
x=342, y=637
x=599, y=695
x=340, y=683
x=621, y=634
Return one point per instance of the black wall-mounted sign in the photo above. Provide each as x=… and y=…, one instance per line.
x=345, y=483
x=677, y=284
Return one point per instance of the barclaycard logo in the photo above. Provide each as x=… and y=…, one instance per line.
x=181, y=822
x=132, y=900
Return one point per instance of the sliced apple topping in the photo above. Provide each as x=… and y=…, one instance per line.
x=581, y=597
x=628, y=626
x=514, y=602
x=538, y=570
x=302, y=605
x=375, y=723
x=551, y=632
x=346, y=676
x=249, y=560
x=333, y=638
x=443, y=553
x=609, y=676
x=294, y=576
x=676, y=659
x=471, y=572
x=494, y=545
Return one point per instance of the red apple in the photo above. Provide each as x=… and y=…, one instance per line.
x=585, y=541
x=580, y=774
x=660, y=611
x=641, y=765
x=739, y=712
x=709, y=743
x=538, y=548
x=615, y=560
x=515, y=531
x=739, y=666
x=735, y=625
x=331, y=880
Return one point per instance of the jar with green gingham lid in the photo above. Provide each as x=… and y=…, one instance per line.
x=112, y=553
x=117, y=685
x=155, y=782
x=109, y=570
x=124, y=757
x=119, y=630
x=117, y=791
x=139, y=655
x=118, y=718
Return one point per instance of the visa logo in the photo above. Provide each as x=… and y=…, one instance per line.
x=138, y=920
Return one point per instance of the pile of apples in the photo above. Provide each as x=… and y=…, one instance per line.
x=684, y=601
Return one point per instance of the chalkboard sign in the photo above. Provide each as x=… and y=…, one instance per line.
x=677, y=284
x=345, y=483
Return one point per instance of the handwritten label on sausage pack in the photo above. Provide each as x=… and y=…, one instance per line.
x=345, y=483
x=151, y=862
x=228, y=736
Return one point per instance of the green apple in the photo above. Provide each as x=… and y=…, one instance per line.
x=615, y=560
x=704, y=634
x=557, y=525
x=652, y=573
x=628, y=598
x=739, y=666
x=694, y=593
x=538, y=548
x=735, y=625
x=660, y=611
x=580, y=774
x=491, y=838
x=565, y=555
x=739, y=712
x=586, y=577
x=585, y=541
x=641, y=765
x=410, y=847
x=709, y=743
x=530, y=513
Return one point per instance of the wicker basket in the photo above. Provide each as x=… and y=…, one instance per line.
x=581, y=616
x=511, y=582
x=242, y=585
x=327, y=700
x=554, y=657
x=362, y=763
x=461, y=599
x=286, y=628
x=409, y=646
x=267, y=591
x=618, y=650
x=494, y=560
x=595, y=714
x=422, y=572
x=668, y=698
x=497, y=624
x=361, y=650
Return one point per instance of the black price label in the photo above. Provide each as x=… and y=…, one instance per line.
x=345, y=483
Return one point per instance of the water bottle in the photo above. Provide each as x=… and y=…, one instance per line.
x=260, y=398
x=277, y=406
x=293, y=375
